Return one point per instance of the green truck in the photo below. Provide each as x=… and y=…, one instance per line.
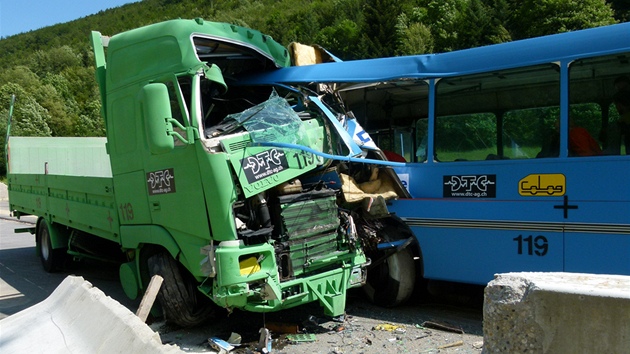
x=239, y=197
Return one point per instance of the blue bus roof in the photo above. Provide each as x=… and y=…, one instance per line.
x=558, y=47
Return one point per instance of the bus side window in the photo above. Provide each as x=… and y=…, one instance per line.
x=592, y=88
x=496, y=115
x=531, y=132
x=466, y=137
x=585, y=125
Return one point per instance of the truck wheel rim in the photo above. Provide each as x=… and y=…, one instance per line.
x=45, y=248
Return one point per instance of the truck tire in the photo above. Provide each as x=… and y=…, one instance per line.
x=52, y=259
x=391, y=282
x=182, y=304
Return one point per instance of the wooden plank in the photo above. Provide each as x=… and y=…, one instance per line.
x=149, y=297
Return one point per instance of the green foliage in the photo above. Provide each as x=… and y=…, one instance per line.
x=29, y=117
x=415, y=36
x=379, y=31
x=533, y=18
x=345, y=37
x=444, y=16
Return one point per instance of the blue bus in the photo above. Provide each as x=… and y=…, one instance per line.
x=515, y=153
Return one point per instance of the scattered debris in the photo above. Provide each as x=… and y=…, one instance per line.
x=424, y=335
x=340, y=318
x=451, y=345
x=220, y=345
x=478, y=344
x=441, y=326
x=149, y=297
x=235, y=339
x=264, y=343
x=389, y=328
x=339, y=328
x=300, y=338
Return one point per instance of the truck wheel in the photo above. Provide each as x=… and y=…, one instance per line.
x=52, y=259
x=391, y=283
x=182, y=304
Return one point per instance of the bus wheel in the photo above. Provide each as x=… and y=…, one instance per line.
x=182, y=304
x=52, y=259
x=391, y=282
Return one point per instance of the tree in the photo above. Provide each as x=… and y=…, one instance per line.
x=415, y=39
x=379, y=31
x=414, y=36
x=90, y=122
x=444, y=17
x=342, y=39
x=477, y=26
x=533, y=18
x=29, y=118
x=622, y=9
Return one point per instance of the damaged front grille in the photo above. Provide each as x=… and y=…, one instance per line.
x=308, y=232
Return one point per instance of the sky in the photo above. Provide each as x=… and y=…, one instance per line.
x=18, y=16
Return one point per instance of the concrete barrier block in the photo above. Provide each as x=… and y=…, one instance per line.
x=79, y=318
x=557, y=313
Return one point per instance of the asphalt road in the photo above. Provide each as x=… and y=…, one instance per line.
x=23, y=281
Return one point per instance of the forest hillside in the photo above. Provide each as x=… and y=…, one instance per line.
x=51, y=70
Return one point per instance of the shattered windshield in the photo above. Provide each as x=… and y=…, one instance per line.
x=272, y=121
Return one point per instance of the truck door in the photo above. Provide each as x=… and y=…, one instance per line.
x=173, y=180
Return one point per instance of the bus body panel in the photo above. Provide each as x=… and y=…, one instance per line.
x=516, y=232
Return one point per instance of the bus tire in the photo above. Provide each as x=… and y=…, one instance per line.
x=392, y=282
x=181, y=302
x=52, y=259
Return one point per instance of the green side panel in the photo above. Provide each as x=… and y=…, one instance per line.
x=84, y=203
x=28, y=193
x=59, y=156
x=133, y=204
x=261, y=168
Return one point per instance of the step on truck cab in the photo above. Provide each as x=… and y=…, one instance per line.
x=251, y=198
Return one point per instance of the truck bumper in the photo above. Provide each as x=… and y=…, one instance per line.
x=249, y=280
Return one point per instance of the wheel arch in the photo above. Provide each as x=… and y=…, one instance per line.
x=58, y=236
x=414, y=246
x=145, y=241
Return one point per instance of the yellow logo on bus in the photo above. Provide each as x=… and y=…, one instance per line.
x=542, y=185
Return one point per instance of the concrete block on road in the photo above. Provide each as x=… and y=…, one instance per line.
x=79, y=318
x=557, y=313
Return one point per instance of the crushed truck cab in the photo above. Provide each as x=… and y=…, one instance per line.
x=241, y=197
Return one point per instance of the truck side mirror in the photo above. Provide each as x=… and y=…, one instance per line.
x=156, y=109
